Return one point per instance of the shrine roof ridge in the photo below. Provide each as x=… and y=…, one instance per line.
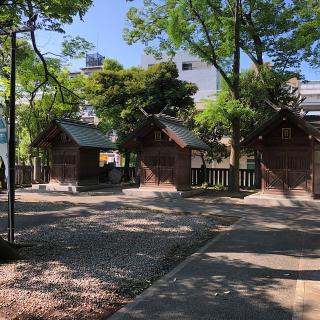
x=174, y=128
x=309, y=124
x=83, y=134
x=79, y=122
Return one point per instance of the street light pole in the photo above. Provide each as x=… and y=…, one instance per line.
x=12, y=115
x=12, y=143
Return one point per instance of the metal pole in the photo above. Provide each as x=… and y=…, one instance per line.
x=12, y=146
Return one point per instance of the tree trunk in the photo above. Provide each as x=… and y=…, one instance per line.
x=204, y=169
x=6, y=252
x=126, y=176
x=257, y=169
x=138, y=168
x=234, y=156
x=235, y=91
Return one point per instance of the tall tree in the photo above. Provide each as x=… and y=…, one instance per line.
x=118, y=96
x=35, y=109
x=208, y=29
x=287, y=32
x=46, y=15
x=38, y=14
x=216, y=31
x=260, y=94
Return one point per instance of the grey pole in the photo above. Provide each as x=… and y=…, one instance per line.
x=12, y=146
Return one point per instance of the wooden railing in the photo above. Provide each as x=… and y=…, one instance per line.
x=221, y=177
x=132, y=171
x=24, y=176
x=215, y=177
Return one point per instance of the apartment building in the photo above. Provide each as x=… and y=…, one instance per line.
x=94, y=62
x=208, y=81
x=192, y=69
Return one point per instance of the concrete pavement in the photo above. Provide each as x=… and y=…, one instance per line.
x=266, y=267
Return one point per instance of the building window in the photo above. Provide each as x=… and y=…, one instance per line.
x=286, y=133
x=2, y=126
x=186, y=66
x=157, y=135
x=251, y=164
x=3, y=138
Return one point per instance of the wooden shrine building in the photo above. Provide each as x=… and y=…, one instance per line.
x=289, y=145
x=165, y=146
x=74, y=149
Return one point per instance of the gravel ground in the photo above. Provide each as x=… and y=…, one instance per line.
x=87, y=265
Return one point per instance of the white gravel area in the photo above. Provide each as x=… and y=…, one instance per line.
x=88, y=264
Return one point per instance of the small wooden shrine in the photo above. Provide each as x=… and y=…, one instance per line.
x=289, y=145
x=74, y=149
x=165, y=146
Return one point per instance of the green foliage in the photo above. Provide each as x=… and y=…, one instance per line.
x=24, y=141
x=44, y=89
x=35, y=111
x=222, y=111
x=118, y=96
x=112, y=65
x=256, y=90
x=174, y=24
x=52, y=15
x=286, y=31
x=218, y=187
x=76, y=47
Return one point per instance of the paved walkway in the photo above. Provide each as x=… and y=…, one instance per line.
x=266, y=267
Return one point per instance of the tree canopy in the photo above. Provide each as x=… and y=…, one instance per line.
x=118, y=96
x=44, y=88
x=217, y=31
x=33, y=15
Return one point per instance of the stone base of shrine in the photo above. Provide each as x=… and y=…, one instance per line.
x=273, y=200
x=161, y=193
x=69, y=188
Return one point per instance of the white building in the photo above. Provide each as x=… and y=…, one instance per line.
x=208, y=81
x=191, y=69
x=310, y=90
x=4, y=142
x=94, y=63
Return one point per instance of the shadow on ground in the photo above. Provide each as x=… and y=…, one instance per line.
x=250, y=275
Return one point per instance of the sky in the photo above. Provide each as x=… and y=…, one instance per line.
x=103, y=26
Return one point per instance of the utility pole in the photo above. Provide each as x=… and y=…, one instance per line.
x=12, y=142
x=12, y=116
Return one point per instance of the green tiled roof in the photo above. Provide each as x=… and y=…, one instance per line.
x=86, y=135
x=182, y=133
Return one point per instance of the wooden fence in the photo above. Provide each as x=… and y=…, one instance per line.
x=24, y=176
x=221, y=177
x=215, y=177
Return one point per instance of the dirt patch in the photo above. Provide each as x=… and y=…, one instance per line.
x=89, y=264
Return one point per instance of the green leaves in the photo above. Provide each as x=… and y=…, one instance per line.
x=76, y=48
x=52, y=14
x=222, y=111
x=118, y=95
